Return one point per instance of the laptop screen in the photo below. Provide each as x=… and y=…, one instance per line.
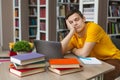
x=51, y=49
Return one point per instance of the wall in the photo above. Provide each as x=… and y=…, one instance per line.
x=7, y=23
x=102, y=14
x=0, y=25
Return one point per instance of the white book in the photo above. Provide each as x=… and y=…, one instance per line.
x=90, y=60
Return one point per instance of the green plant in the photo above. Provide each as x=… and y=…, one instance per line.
x=22, y=46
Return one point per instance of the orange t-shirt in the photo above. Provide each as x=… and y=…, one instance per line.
x=104, y=48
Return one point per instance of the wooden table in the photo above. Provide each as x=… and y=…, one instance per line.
x=90, y=72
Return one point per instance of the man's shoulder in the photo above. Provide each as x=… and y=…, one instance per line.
x=93, y=26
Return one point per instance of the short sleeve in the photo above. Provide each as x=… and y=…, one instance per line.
x=94, y=33
x=75, y=42
x=71, y=43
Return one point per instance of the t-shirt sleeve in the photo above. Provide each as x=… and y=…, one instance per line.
x=71, y=45
x=94, y=33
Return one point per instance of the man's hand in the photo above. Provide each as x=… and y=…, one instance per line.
x=70, y=27
x=76, y=51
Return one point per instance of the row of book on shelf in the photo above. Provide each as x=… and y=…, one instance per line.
x=17, y=33
x=42, y=36
x=16, y=13
x=32, y=2
x=16, y=3
x=62, y=34
x=64, y=8
x=113, y=27
x=33, y=11
x=31, y=63
x=89, y=13
x=33, y=21
x=32, y=31
x=43, y=12
x=16, y=23
x=114, y=9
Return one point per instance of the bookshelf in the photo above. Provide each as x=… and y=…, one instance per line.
x=95, y=11
x=89, y=8
x=63, y=6
x=113, y=18
x=46, y=22
x=20, y=20
x=32, y=19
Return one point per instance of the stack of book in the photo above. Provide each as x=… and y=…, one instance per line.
x=65, y=65
x=28, y=63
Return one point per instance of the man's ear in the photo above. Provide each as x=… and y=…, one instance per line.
x=84, y=18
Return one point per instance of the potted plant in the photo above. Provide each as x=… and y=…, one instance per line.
x=22, y=46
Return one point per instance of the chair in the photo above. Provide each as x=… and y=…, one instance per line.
x=116, y=41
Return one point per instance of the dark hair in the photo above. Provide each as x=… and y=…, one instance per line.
x=72, y=12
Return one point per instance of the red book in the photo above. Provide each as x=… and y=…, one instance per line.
x=42, y=2
x=42, y=12
x=64, y=63
x=62, y=71
x=25, y=72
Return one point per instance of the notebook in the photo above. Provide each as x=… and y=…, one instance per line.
x=51, y=49
x=90, y=60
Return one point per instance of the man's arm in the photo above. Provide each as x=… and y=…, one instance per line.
x=85, y=51
x=66, y=40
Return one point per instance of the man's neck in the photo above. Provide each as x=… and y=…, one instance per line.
x=82, y=33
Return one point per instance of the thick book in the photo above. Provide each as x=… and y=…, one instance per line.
x=25, y=72
x=31, y=65
x=64, y=63
x=27, y=58
x=63, y=71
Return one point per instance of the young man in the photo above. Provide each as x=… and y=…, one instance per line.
x=89, y=39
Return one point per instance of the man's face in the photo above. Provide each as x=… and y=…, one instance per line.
x=77, y=22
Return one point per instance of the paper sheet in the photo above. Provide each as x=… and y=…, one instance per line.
x=90, y=60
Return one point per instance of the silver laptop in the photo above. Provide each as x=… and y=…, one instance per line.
x=51, y=49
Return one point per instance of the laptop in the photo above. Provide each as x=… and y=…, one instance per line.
x=51, y=49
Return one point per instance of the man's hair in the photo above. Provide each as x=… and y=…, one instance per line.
x=71, y=12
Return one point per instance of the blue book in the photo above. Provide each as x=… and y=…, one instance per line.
x=27, y=58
